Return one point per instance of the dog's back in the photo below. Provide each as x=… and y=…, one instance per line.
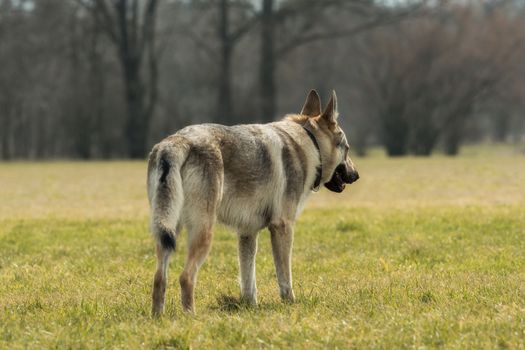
x=246, y=171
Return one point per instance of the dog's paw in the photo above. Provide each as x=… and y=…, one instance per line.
x=288, y=296
x=249, y=300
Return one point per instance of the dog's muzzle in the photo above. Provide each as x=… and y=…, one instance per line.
x=342, y=175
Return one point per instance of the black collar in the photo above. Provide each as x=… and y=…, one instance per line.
x=319, y=168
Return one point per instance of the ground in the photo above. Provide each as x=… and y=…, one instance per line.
x=419, y=253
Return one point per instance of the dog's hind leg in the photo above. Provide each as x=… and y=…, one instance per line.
x=160, y=279
x=200, y=236
x=282, y=241
x=161, y=275
x=203, y=174
x=247, y=252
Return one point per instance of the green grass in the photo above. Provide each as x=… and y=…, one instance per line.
x=421, y=253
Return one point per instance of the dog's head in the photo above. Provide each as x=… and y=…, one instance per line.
x=337, y=167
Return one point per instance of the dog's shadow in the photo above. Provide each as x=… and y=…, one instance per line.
x=232, y=304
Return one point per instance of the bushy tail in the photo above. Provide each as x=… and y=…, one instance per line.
x=165, y=192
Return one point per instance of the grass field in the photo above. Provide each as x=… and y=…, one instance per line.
x=420, y=253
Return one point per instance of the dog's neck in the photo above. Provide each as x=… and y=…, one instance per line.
x=319, y=168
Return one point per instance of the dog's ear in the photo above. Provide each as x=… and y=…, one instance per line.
x=312, y=105
x=331, y=114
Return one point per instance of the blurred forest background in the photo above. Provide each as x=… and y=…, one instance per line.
x=109, y=78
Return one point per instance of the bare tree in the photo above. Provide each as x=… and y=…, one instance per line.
x=307, y=21
x=130, y=25
x=298, y=23
x=428, y=76
x=232, y=21
x=229, y=38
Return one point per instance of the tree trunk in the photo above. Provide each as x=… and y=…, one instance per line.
x=132, y=39
x=395, y=137
x=81, y=126
x=455, y=131
x=452, y=143
x=224, y=95
x=424, y=133
x=5, y=118
x=501, y=122
x=97, y=92
x=137, y=123
x=423, y=140
x=395, y=129
x=267, y=64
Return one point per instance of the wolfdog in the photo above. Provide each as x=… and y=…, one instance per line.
x=248, y=177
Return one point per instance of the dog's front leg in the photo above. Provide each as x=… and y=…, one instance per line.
x=247, y=252
x=282, y=241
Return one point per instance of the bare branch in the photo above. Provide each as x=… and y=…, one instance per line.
x=134, y=22
x=304, y=37
x=243, y=29
x=148, y=26
x=149, y=40
x=107, y=22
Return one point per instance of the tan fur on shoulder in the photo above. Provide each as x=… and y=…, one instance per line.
x=297, y=118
